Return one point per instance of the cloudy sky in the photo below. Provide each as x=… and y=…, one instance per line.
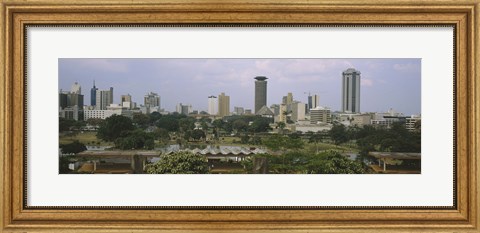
x=385, y=83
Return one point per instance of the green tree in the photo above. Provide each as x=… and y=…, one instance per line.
x=136, y=139
x=315, y=138
x=240, y=125
x=338, y=134
x=281, y=125
x=168, y=122
x=113, y=127
x=154, y=116
x=256, y=140
x=283, y=144
x=186, y=124
x=162, y=135
x=141, y=120
x=198, y=134
x=63, y=163
x=95, y=121
x=218, y=123
x=244, y=139
x=332, y=162
x=261, y=124
x=179, y=163
x=73, y=148
x=65, y=124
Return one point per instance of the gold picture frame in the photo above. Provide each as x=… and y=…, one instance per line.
x=464, y=15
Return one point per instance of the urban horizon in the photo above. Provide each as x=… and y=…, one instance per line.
x=242, y=95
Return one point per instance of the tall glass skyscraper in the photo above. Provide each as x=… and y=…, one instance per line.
x=93, y=94
x=260, y=92
x=351, y=91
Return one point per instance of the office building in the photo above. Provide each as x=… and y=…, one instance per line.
x=351, y=91
x=184, y=108
x=69, y=99
x=72, y=113
x=282, y=117
x=76, y=89
x=313, y=101
x=93, y=94
x=320, y=115
x=223, y=105
x=126, y=101
x=238, y=110
x=413, y=123
x=298, y=111
x=275, y=109
x=151, y=99
x=126, y=98
x=260, y=92
x=71, y=103
x=212, y=102
x=110, y=110
x=103, y=99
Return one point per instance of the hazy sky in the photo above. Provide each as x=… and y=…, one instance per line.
x=385, y=83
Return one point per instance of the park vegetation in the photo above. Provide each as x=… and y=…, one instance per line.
x=289, y=152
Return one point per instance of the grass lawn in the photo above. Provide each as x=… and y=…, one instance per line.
x=327, y=146
x=87, y=138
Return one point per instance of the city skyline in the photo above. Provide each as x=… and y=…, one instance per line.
x=385, y=83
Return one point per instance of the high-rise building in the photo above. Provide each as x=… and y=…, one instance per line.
x=151, y=99
x=69, y=99
x=351, y=91
x=71, y=103
x=282, y=117
x=76, y=89
x=211, y=105
x=298, y=111
x=289, y=98
x=93, y=94
x=126, y=101
x=260, y=92
x=103, y=99
x=126, y=98
x=275, y=109
x=313, y=101
x=184, y=108
x=223, y=105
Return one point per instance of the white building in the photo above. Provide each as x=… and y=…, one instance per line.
x=110, y=111
x=151, y=99
x=298, y=111
x=411, y=122
x=76, y=89
x=73, y=113
x=212, y=103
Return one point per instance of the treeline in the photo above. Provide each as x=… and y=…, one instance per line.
x=368, y=138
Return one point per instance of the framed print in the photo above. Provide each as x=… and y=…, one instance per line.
x=212, y=116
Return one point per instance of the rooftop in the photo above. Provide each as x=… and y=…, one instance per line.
x=261, y=78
